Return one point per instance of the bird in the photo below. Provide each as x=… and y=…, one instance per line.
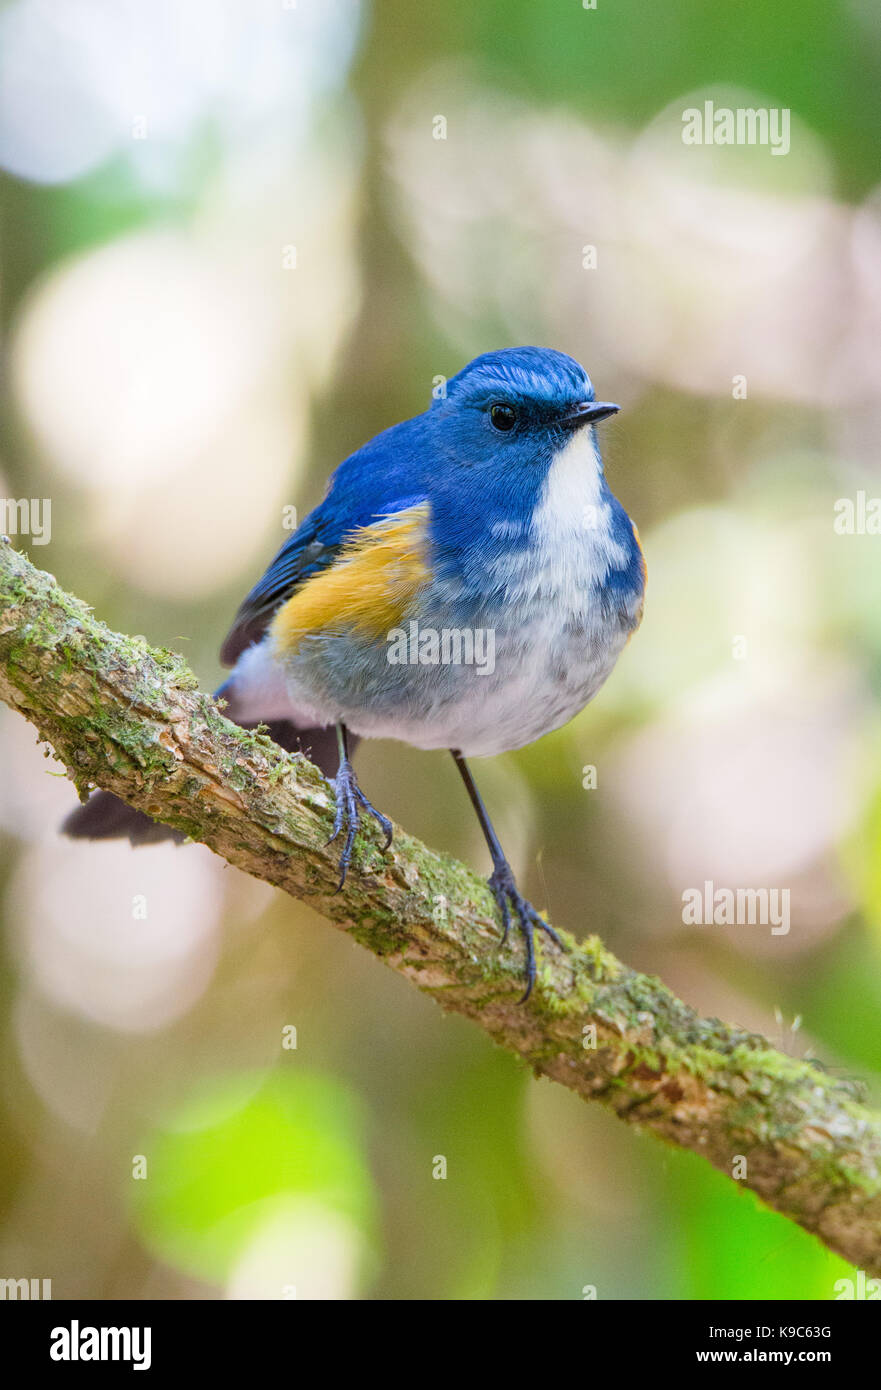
x=467, y=583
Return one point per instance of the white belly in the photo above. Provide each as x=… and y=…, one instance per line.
x=544, y=675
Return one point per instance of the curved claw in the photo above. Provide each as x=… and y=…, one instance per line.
x=383, y=821
x=500, y=893
x=505, y=891
x=530, y=963
x=348, y=797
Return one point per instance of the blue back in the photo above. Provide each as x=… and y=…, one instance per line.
x=483, y=486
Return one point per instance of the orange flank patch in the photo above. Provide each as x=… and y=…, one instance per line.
x=644, y=568
x=641, y=551
x=369, y=588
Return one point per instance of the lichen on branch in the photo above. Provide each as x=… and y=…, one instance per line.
x=130, y=718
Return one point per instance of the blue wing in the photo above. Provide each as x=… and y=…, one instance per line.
x=367, y=485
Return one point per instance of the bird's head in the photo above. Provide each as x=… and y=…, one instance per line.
x=520, y=406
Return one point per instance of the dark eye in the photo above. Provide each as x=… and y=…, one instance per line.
x=504, y=417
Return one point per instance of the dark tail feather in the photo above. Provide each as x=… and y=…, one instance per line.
x=105, y=817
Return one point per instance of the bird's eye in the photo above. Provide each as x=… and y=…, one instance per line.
x=504, y=417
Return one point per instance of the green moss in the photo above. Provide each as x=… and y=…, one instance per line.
x=380, y=933
x=759, y=1099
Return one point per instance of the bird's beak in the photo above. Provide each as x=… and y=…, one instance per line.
x=588, y=413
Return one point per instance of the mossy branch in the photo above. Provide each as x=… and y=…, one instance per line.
x=124, y=716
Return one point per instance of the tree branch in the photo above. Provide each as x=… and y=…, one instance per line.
x=129, y=718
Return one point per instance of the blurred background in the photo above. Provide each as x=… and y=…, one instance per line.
x=241, y=236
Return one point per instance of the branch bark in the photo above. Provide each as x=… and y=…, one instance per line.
x=124, y=716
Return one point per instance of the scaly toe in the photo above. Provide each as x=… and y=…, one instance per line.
x=506, y=894
x=383, y=821
x=346, y=815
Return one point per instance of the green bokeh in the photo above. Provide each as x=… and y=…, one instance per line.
x=209, y=1184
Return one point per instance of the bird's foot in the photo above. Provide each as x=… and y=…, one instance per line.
x=505, y=891
x=349, y=797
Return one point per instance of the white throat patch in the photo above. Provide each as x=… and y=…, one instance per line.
x=572, y=492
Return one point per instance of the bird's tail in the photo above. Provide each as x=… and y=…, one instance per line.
x=105, y=817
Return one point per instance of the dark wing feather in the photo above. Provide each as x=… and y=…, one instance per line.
x=312, y=547
x=394, y=470
x=301, y=556
x=386, y=475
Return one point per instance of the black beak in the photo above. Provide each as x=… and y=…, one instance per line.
x=588, y=413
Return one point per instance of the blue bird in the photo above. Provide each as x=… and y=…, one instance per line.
x=467, y=583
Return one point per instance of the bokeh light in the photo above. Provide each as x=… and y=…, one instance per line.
x=241, y=237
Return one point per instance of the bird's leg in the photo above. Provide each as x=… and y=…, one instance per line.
x=349, y=797
x=503, y=885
